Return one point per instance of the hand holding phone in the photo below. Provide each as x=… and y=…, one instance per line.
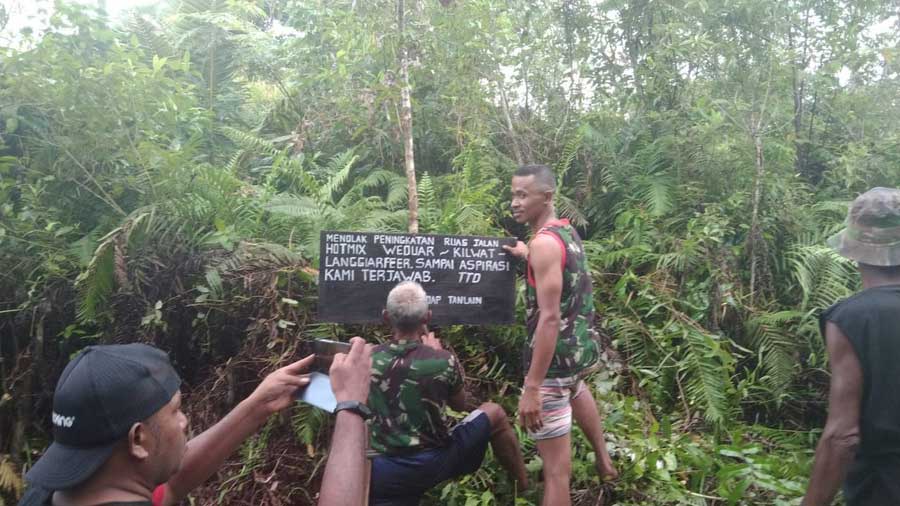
x=319, y=393
x=325, y=350
x=352, y=373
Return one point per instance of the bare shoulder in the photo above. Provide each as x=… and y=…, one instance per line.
x=544, y=251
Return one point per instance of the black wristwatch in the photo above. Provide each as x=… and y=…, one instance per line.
x=354, y=407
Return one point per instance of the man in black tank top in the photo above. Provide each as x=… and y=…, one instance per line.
x=860, y=445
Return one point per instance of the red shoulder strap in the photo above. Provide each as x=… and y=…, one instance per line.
x=556, y=223
x=562, y=246
x=159, y=494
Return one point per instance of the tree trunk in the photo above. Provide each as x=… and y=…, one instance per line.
x=25, y=399
x=798, y=85
x=406, y=126
x=755, y=233
x=509, y=124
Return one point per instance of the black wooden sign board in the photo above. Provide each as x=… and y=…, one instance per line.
x=468, y=279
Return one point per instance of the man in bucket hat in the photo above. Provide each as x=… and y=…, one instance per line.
x=120, y=435
x=861, y=441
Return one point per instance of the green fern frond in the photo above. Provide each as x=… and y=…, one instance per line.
x=475, y=163
x=377, y=179
x=467, y=220
x=398, y=192
x=770, y=336
x=249, y=142
x=824, y=277
x=634, y=340
x=387, y=220
x=249, y=257
x=610, y=258
x=248, y=10
x=568, y=209
x=298, y=206
x=653, y=157
x=150, y=36
x=339, y=168
x=394, y=183
x=834, y=207
x=570, y=151
x=685, y=256
x=199, y=6
x=307, y=422
x=96, y=283
x=655, y=193
x=83, y=249
x=290, y=172
x=428, y=210
x=236, y=161
x=707, y=367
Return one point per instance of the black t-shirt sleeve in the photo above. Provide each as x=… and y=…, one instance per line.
x=851, y=317
x=847, y=315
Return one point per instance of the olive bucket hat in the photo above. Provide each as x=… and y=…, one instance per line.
x=872, y=235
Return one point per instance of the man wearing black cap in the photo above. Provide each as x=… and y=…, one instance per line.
x=860, y=445
x=120, y=435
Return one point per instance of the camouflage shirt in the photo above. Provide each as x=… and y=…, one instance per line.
x=577, y=348
x=411, y=384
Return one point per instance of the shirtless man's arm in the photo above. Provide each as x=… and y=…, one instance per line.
x=545, y=259
x=840, y=439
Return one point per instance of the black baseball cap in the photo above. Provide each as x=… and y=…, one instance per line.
x=101, y=394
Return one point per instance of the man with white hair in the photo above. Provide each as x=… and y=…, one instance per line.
x=413, y=379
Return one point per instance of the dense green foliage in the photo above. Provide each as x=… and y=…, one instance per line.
x=164, y=178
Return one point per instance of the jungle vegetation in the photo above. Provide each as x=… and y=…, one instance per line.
x=165, y=174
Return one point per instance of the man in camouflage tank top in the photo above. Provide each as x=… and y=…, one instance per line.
x=563, y=345
x=413, y=379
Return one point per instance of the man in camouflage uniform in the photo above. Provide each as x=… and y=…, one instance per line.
x=413, y=379
x=861, y=441
x=563, y=345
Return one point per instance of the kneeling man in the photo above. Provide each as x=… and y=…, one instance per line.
x=413, y=379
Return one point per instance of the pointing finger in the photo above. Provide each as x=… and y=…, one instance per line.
x=295, y=381
x=300, y=365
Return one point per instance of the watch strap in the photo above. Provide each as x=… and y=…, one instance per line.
x=354, y=407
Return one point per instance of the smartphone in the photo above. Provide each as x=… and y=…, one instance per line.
x=325, y=350
x=319, y=393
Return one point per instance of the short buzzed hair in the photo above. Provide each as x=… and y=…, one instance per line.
x=407, y=306
x=543, y=175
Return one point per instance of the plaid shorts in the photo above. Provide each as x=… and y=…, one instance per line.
x=556, y=406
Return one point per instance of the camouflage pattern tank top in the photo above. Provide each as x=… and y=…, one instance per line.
x=578, y=347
